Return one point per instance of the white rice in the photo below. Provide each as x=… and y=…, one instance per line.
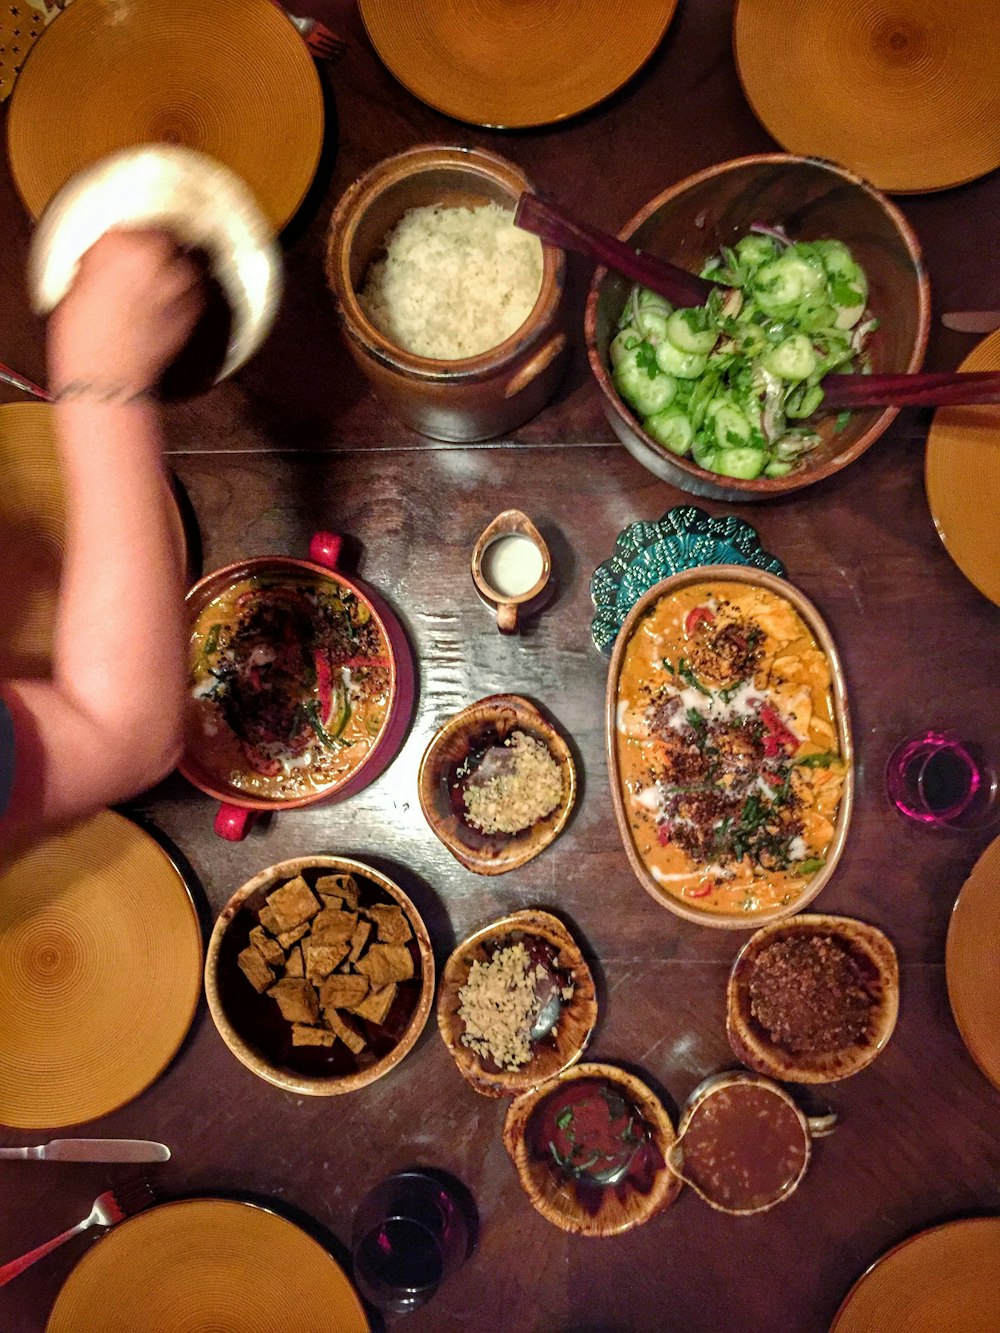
x=455, y=281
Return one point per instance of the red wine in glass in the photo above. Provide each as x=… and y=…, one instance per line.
x=409, y=1234
x=937, y=779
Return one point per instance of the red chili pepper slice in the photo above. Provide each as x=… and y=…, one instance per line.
x=663, y=835
x=351, y=662
x=701, y=892
x=694, y=618
x=785, y=738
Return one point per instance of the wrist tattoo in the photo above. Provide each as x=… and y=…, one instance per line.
x=102, y=391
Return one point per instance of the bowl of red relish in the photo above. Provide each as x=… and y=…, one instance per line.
x=590, y=1148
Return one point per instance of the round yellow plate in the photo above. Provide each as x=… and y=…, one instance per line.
x=100, y=973
x=505, y=63
x=946, y=1280
x=962, y=476
x=904, y=92
x=32, y=534
x=232, y=79
x=202, y=1264
x=972, y=963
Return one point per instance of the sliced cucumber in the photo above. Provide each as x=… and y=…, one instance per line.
x=705, y=454
x=646, y=393
x=685, y=365
x=744, y=463
x=781, y=285
x=793, y=358
x=777, y=469
x=689, y=331
x=753, y=251
x=672, y=428
x=731, y=426
x=623, y=342
x=652, y=324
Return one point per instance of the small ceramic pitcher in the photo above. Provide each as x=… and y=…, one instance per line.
x=812, y=1127
x=512, y=569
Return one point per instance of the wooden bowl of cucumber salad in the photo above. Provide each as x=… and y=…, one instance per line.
x=818, y=274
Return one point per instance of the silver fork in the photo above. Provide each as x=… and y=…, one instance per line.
x=110, y=1207
x=322, y=41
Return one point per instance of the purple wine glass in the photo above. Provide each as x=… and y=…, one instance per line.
x=410, y=1233
x=937, y=779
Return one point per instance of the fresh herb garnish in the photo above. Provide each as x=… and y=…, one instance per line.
x=645, y=359
x=312, y=712
x=823, y=760
x=565, y=1118
x=687, y=675
x=211, y=640
x=810, y=866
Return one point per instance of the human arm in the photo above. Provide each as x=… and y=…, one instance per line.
x=107, y=723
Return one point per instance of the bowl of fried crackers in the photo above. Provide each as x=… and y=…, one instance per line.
x=319, y=975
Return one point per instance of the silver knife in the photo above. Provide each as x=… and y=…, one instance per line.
x=972, y=321
x=90, y=1150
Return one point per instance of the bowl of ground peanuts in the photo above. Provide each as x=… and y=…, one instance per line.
x=497, y=784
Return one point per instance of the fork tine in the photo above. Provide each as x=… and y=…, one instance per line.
x=132, y=1196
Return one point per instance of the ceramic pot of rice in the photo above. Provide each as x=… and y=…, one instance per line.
x=454, y=315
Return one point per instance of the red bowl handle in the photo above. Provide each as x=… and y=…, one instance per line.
x=234, y=822
x=324, y=549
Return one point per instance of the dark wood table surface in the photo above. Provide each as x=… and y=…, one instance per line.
x=295, y=442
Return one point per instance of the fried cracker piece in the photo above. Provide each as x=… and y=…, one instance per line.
x=343, y=885
x=333, y=900
x=359, y=939
x=321, y=959
x=393, y=927
x=346, y=1031
x=271, y=950
x=297, y=1000
x=254, y=967
x=304, y=1035
x=341, y=991
x=269, y=920
x=291, y=937
x=376, y=1004
x=292, y=904
x=386, y=962
x=295, y=964
x=332, y=924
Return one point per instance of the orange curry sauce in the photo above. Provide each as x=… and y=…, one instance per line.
x=727, y=747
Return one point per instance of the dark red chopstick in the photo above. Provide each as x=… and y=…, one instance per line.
x=935, y=389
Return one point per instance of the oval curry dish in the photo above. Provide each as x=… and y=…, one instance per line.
x=292, y=681
x=729, y=746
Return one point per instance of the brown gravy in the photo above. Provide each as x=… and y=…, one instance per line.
x=744, y=1147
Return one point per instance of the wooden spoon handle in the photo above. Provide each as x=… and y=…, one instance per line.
x=941, y=389
x=556, y=228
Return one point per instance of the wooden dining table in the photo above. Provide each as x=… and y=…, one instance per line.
x=296, y=442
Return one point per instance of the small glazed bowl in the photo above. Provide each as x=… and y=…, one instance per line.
x=751, y=1043
x=239, y=809
x=800, y=603
x=490, y=853
x=811, y=199
x=225, y=985
x=576, y=1018
x=813, y=1127
x=619, y=1210
x=476, y=397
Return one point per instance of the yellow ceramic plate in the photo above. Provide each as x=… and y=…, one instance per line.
x=947, y=1278
x=232, y=79
x=962, y=476
x=972, y=963
x=207, y=1264
x=32, y=532
x=906, y=94
x=507, y=64
x=100, y=973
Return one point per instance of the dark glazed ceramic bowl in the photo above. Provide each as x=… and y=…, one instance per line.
x=811, y=200
x=476, y=397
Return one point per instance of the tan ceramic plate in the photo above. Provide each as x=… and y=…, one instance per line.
x=498, y=63
x=554, y=1200
x=32, y=532
x=576, y=1020
x=207, y=1264
x=906, y=95
x=237, y=1031
x=232, y=79
x=100, y=972
x=947, y=1278
x=972, y=963
x=962, y=476
x=872, y=950
x=490, y=853
x=783, y=589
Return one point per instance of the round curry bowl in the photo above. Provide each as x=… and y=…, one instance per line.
x=811, y=200
x=255, y=1031
x=785, y=592
x=239, y=808
x=472, y=398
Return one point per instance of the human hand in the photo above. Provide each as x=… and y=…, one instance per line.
x=132, y=306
